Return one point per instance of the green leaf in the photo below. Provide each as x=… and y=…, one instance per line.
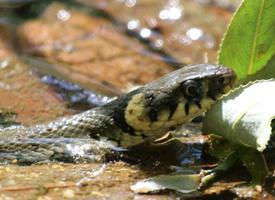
x=220, y=147
x=267, y=72
x=181, y=183
x=255, y=162
x=224, y=164
x=244, y=115
x=249, y=42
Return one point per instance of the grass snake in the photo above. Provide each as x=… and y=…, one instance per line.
x=144, y=114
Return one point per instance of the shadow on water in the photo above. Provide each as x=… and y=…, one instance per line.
x=173, y=152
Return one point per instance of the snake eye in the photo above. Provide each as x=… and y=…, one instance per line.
x=192, y=89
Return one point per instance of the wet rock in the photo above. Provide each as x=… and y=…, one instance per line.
x=24, y=94
x=69, y=194
x=6, y=47
x=92, y=46
x=190, y=31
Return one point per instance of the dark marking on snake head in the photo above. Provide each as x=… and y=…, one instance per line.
x=159, y=101
x=173, y=104
x=211, y=95
x=152, y=106
x=186, y=107
x=118, y=112
x=120, y=121
x=197, y=102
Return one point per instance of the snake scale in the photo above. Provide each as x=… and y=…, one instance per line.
x=144, y=114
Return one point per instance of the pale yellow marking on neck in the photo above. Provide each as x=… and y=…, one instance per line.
x=136, y=114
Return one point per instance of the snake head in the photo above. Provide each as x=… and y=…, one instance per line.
x=221, y=84
x=175, y=98
x=190, y=84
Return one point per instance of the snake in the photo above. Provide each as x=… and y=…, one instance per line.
x=144, y=114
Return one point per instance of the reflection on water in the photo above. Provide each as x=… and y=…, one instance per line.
x=4, y=63
x=76, y=95
x=191, y=156
x=228, y=4
x=158, y=44
x=63, y=15
x=130, y=3
x=173, y=10
x=35, y=150
x=194, y=33
x=180, y=150
x=133, y=24
x=181, y=29
x=145, y=33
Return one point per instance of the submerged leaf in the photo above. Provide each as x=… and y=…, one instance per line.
x=249, y=42
x=244, y=115
x=181, y=183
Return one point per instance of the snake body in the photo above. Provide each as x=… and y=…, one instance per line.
x=143, y=114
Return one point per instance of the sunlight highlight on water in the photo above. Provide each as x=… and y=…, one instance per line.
x=133, y=24
x=63, y=15
x=130, y=3
x=173, y=10
x=145, y=32
x=194, y=33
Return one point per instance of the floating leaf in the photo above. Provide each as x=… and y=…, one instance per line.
x=181, y=183
x=249, y=42
x=244, y=115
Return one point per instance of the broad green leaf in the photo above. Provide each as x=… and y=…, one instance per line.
x=244, y=115
x=267, y=72
x=181, y=183
x=249, y=42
